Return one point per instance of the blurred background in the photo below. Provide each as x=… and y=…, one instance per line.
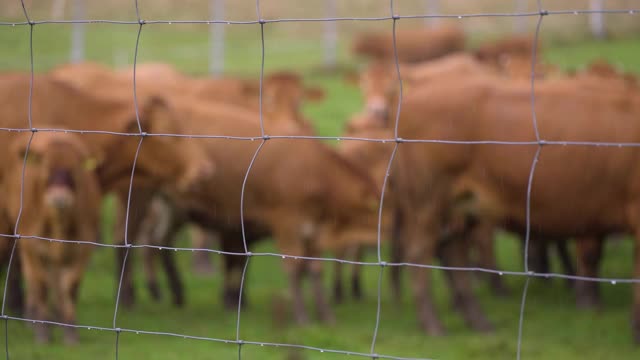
x=553, y=327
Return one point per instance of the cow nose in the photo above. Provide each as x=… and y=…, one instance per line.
x=378, y=108
x=59, y=198
x=59, y=203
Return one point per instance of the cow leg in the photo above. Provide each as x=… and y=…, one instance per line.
x=562, y=246
x=295, y=270
x=396, y=256
x=232, y=280
x=15, y=295
x=455, y=254
x=151, y=272
x=37, y=307
x=338, y=286
x=69, y=284
x=127, y=295
x=201, y=239
x=139, y=206
x=483, y=239
x=233, y=268
x=538, y=255
x=589, y=253
x=322, y=307
x=168, y=260
x=173, y=276
x=356, y=274
x=421, y=249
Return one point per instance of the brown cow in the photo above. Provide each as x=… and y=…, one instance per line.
x=58, y=198
x=311, y=195
x=413, y=45
x=576, y=191
x=283, y=94
x=373, y=156
x=161, y=160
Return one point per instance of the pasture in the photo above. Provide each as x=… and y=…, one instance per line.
x=553, y=327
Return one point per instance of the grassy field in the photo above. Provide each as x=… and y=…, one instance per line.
x=553, y=327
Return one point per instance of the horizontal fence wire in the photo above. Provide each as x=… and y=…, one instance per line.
x=128, y=245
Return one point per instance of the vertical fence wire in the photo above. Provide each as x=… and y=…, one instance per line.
x=330, y=41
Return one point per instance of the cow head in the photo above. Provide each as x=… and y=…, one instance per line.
x=282, y=96
x=164, y=157
x=379, y=86
x=60, y=186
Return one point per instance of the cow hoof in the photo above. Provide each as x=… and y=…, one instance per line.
x=436, y=331
x=338, y=295
x=571, y=284
x=155, y=292
x=588, y=303
x=203, y=268
x=499, y=289
x=127, y=299
x=71, y=336
x=328, y=318
x=302, y=319
x=482, y=325
x=42, y=334
x=587, y=296
x=356, y=289
x=231, y=298
x=178, y=300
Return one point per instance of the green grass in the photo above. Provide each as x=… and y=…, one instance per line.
x=553, y=327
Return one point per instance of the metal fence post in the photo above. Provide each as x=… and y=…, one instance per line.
x=432, y=7
x=78, y=32
x=330, y=35
x=520, y=22
x=216, y=38
x=596, y=19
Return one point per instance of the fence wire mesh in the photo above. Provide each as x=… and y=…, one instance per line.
x=393, y=18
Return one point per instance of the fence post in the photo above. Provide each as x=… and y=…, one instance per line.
x=432, y=7
x=596, y=19
x=520, y=22
x=78, y=32
x=216, y=38
x=330, y=35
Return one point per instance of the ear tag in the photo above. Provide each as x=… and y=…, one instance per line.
x=90, y=164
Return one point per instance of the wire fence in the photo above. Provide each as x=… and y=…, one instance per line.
x=218, y=25
x=217, y=11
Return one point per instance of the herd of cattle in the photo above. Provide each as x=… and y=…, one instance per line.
x=194, y=138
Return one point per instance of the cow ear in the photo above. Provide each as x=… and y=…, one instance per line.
x=314, y=94
x=92, y=161
x=156, y=116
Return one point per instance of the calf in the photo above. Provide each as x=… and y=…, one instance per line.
x=162, y=161
x=283, y=95
x=315, y=194
x=60, y=200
